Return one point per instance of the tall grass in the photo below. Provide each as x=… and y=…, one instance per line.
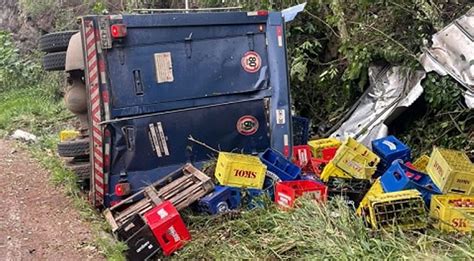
x=312, y=232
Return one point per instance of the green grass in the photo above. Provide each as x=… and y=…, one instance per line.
x=33, y=109
x=311, y=232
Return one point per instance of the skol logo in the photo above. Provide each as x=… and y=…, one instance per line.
x=438, y=168
x=459, y=222
x=463, y=181
x=245, y=173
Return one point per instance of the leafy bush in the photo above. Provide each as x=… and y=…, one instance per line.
x=36, y=8
x=438, y=118
x=15, y=71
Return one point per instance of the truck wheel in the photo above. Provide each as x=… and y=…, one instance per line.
x=73, y=148
x=55, y=42
x=54, y=61
x=81, y=169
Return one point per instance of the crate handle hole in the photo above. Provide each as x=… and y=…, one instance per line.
x=165, y=238
x=397, y=175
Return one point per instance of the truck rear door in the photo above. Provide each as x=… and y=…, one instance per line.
x=155, y=80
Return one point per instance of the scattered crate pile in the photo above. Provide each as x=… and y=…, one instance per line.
x=382, y=186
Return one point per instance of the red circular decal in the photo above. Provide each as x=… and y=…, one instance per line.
x=247, y=125
x=251, y=62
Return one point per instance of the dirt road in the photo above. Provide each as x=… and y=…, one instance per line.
x=37, y=220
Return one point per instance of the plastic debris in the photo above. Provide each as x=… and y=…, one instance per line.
x=24, y=136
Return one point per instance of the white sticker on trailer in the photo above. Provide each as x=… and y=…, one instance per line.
x=164, y=67
x=154, y=139
x=162, y=136
x=280, y=116
x=285, y=140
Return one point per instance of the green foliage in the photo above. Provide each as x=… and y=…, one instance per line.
x=441, y=93
x=99, y=7
x=15, y=71
x=29, y=99
x=37, y=8
x=442, y=121
x=246, y=4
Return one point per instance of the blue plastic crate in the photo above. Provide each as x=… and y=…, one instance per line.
x=300, y=130
x=390, y=148
x=309, y=176
x=384, y=165
x=252, y=199
x=222, y=199
x=269, y=187
x=400, y=177
x=279, y=165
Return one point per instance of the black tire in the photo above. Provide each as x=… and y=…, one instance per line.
x=81, y=169
x=74, y=148
x=54, y=61
x=55, y=42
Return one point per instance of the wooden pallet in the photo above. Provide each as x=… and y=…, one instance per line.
x=181, y=188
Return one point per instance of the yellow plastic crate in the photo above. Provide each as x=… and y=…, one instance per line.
x=356, y=160
x=66, y=135
x=453, y=212
x=375, y=190
x=451, y=171
x=238, y=170
x=318, y=145
x=404, y=209
x=421, y=163
x=330, y=170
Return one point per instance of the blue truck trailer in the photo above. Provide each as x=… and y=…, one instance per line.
x=155, y=80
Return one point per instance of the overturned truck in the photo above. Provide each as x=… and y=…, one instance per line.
x=143, y=84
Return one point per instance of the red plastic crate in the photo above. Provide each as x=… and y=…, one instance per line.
x=286, y=192
x=329, y=153
x=168, y=227
x=302, y=155
x=316, y=166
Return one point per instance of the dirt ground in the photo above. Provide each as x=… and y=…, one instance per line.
x=37, y=220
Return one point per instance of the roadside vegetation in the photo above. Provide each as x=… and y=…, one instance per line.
x=313, y=232
x=331, y=46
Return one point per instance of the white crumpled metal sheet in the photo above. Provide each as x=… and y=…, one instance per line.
x=291, y=12
x=390, y=88
x=452, y=53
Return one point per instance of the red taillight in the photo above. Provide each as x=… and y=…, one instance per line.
x=122, y=189
x=258, y=13
x=118, y=30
